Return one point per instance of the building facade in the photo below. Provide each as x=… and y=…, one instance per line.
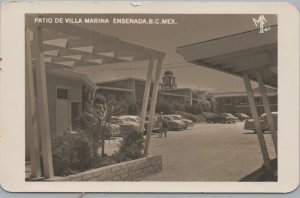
x=129, y=89
x=237, y=102
x=65, y=95
x=169, y=92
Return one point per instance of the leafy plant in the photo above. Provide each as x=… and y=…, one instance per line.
x=131, y=146
x=71, y=153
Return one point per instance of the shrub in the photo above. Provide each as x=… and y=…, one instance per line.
x=102, y=161
x=133, y=109
x=194, y=118
x=178, y=107
x=194, y=109
x=71, y=153
x=131, y=146
x=164, y=107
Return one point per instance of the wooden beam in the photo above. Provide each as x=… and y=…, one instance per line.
x=146, y=94
x=42, y=100
x=258, y=129
x=172, y=94
x=85, y=55
x=31, y=118
x=115, y=88
x=153, y=105
x=266, y=104
x=98, y=39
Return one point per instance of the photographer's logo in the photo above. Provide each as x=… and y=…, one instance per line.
x=261, y=21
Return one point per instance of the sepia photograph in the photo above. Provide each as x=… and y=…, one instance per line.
x=151, y=97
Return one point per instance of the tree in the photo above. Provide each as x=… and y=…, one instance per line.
x=97, y=115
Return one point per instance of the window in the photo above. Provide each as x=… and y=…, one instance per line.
x=227, y=101
x=242, y=100
x=62, y=93
x=273, y=99
x=257, y=100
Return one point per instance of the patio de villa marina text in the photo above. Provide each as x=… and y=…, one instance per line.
x=138, y=21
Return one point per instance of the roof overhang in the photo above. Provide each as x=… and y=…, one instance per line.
x=69, y=74
x=238, y=54
x=67, y=46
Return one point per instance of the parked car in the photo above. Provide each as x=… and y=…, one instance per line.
x=187, y=122
x=249, y=124
x=242, y=116
x=222, y=118
x=174, y=124
x=127, y=122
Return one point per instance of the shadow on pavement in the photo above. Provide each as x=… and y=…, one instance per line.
x=262, y=175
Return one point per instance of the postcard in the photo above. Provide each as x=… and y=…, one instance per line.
x=149, y=97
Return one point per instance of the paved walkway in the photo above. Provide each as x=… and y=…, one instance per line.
x=208, y=152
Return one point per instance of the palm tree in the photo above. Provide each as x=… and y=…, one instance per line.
x=97, y=115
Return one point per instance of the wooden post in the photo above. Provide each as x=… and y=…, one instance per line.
x=134, y=91
x=260, y=136
x=153, y=104
x=146, y=94
x=191, y=99
x=31, y=117
x=42, y=100
x=266, y=104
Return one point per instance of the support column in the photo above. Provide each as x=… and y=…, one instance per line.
x=260, y=136
x=153, y=104
x=31, y=117
x=146, y=94
x=42, y=100
x=134, y=92
x=267, y=108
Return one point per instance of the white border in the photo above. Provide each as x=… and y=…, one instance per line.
x=12, y=101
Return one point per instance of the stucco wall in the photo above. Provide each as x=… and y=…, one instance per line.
x=75, y=95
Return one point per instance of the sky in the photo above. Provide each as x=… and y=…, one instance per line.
x=166, y=38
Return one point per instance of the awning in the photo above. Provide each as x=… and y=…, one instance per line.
x=238, y=54
x=68, y=46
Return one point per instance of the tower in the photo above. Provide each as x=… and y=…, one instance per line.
x=169, y=81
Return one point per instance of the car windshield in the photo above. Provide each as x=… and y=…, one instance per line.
x=244, y=115
x=175, y=117
x=168, y=118
x=116, y=120
x=264, y=116
x=227, y=115
x=131, y=119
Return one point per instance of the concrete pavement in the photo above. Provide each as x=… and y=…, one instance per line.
x=208, y=152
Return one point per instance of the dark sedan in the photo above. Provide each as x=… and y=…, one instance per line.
x=222, y=118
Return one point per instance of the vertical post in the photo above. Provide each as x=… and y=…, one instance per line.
x=42, y=101
x=134, y=91
x=31, y=117
x=260, y=136
x=266, y=104
x=153, y=104
x=191, y=99
x=146, y=94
